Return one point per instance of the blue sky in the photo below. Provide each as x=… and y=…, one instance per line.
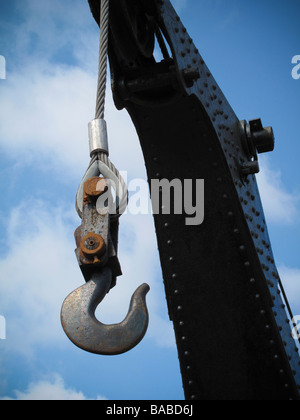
x=46, y=103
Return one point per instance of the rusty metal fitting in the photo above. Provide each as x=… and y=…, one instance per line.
x=95, y=187
x=92, y=245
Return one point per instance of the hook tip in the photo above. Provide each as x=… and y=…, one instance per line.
x=88, y=333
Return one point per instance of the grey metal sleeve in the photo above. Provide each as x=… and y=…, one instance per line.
x=98, y=137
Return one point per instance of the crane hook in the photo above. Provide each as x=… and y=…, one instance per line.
x=85, y=331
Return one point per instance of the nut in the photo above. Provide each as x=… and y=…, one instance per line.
x=92, y=245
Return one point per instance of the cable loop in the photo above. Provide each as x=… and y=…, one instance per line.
x=101, y=165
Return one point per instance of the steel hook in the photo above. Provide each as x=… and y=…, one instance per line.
x=85, y=331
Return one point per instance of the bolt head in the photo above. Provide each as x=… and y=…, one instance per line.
x=94, y=187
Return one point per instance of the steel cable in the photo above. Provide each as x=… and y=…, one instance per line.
x=103, y=54
x=100, y=162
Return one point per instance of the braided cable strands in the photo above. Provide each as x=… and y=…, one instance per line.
x=103, y=53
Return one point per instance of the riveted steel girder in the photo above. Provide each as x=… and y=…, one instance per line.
x=231, y=318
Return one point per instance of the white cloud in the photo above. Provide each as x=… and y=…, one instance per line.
x=44, y=114
x=46, y=105
x=50, y=389
x=279, y=204
x=50, y=27
x=37, y=272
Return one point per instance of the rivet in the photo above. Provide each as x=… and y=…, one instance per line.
x=179, y=308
